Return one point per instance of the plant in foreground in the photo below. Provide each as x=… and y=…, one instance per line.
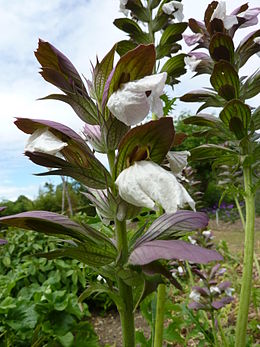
x=130, y=262
x=238, y=123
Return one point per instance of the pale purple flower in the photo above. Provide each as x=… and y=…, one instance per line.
x=250, y=17
x=146, y=184
x=214, y=290
x=190, y=40
x=132, y=102
x=220, y=13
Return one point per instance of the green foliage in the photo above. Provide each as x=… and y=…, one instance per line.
x=39, y=298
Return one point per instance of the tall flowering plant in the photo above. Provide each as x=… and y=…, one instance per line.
x=118, y=97
x=238, y=122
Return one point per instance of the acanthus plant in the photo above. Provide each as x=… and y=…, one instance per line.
x=238, y=122
x=128, y=261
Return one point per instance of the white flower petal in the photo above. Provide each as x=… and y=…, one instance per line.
x=192, y=62
x=42, y=140
x=132, y=102
x=178, y=160
x=175, y=8
x=214, y=289
x=220, y=13
x=146, y=183
x=195, y=296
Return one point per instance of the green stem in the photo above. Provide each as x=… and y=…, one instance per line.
x=216, y=344
x=126, y=293
x=161, y=296
x=222, y=334
x=240, y=212
x=248, y=260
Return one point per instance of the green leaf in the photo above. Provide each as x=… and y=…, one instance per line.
x=66, y=340
x=251, y=87
x=101, y=73
x=85, y=108
x=88, y=253
x=236, y=115
x=151, y=140
x=160, y=20
x=173, y=33
x=128, y=25
x=124, y=46
x=113, y=131
x=167, y=50
x=137, y=8
x=221, y=47
x=154, y=3
x=203, y=120
x=175, y=67
x=225, y=80
x=247, y=48
x=210, y=151
x=134, y=65
x=99, y=288
x=256, y=118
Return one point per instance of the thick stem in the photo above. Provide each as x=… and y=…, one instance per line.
x=126, y=293
x=248, y=261
x=161, y=296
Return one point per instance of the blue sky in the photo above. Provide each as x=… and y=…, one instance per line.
x=80, y=29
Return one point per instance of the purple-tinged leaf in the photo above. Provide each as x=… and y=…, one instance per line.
x=84, y=107
x=168, y=225
x=153, y=140
x=2, y=208
x=199, y=273
x=224, y=285
x=101, y=72
x=155, y=268
x=93, y=174
x=214, y=271
x=203, y=291
x=58, y=70
x=55, y=225
x=80, y=163
x=171, y=249
x=217, y=304
x=134, y=65
x=196, y=306
x=3, y=242
x=89, y=253
x=247, y=48
x=124, y=46
x=240, y=9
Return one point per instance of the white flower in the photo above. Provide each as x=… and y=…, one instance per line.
x=229, y=291
x=207, y=233
x=214, y=289
x=220, y=13
x=178, y=160
x=146, y=183
x=192, y=241
x=195, y=296
x=175, y=8
x=192, y=62
x=180, y=270
x=132, y=102
x=100, y=278
x=122, y=7
x=42, y=140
